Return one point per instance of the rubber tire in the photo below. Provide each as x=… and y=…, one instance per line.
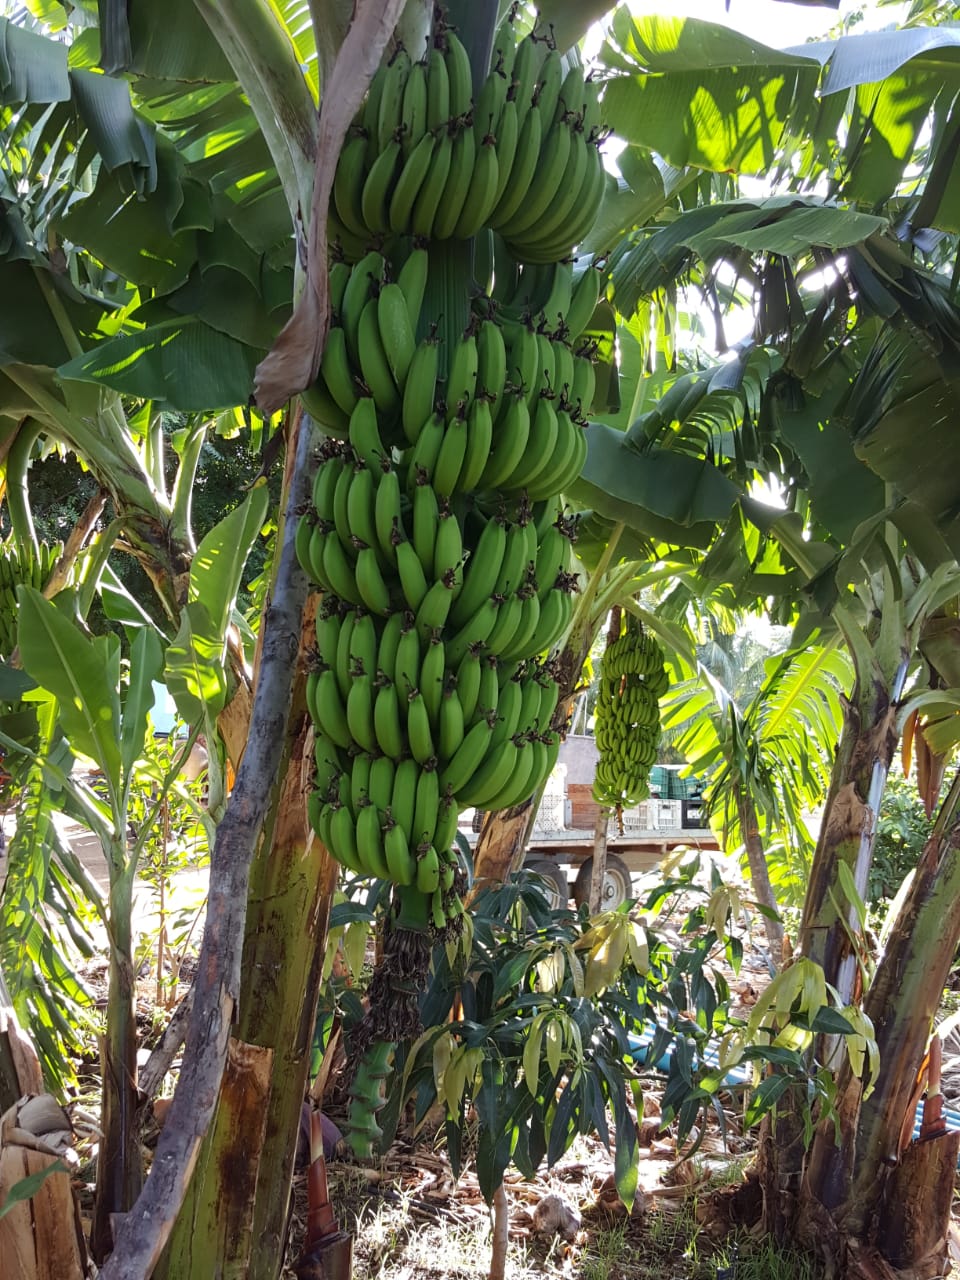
x=617, y=883
x=557, y=887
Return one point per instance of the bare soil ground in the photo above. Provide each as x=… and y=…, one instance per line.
x=694, y=1217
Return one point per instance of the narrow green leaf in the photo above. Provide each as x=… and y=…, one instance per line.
x=194, y=669
x=217, y=567
x=531, y=1054
x=626, y=1165
x=146, y=663
x=845, y=876
x=83, y=674
x=554, y=1039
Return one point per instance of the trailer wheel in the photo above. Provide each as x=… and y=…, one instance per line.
x=556, y=888
x=617, y=883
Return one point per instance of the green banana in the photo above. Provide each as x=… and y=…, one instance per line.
x=388, y=513
x=482, y=570
x=377, y=375
x=336, y=371
x=362, y=648
x=390, y=116
x=448, y=547
x=390, y=640
x=371, y=583
x=423, y=456
x=404, y=796
x=413, y=582
x=435, y=607
x=342, y=664
x=457, y=186
x=431, y=682
x=331, y=713
x=491, y=361
x=413, y=112
x=459, y=74
x=426, y=807
x=549, y=82
x=507, y=137
x=429, y=196
x=396, y=848
x=408, y=184
x=509, y=444
x=450, y=458
x=468, y=684
x=338, y=569
x=361, y=514
x=492, y=776
x=302, y=539
x=378, y=187
x=467, y=758
x=541, y=443
x=355, y=295
x=461, y=383
x=406, y=667
x=428, y=869
x=522, y=171
x=348, y=186
x=396, y=332
x=370, y=842
x=451, y=724
x=477, y=449
x=426, y=521
x=387, y=724
x=359, y=711
x=412, y=280
x=420, y=390
x=380, y=784
x=438, y=91
x=419, y=733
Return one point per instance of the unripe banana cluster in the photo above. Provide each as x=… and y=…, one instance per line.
x=436, y=530
x=18, y=564
x=508, y=416
x=627, y=730
x=427, y=160
x=448, y=573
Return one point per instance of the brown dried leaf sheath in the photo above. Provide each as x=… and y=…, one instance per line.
x=293, y=361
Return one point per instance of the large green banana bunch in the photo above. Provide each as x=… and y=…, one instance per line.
x=425, y=159
x=448, y=575
x=632, y=680
x=18, y=564
x=436, y=530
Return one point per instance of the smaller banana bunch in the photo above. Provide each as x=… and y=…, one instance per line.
x=18, y=564
x=425, y=159
x=632, y=680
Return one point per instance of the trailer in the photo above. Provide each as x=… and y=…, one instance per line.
x=561, y=844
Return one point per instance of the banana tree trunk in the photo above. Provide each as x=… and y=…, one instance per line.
x=119, y=1171
x=759, y=876
x=234, y=1220
x=145, y=1232
x=869, y=738
x=847, y=1186
x=830, y=923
